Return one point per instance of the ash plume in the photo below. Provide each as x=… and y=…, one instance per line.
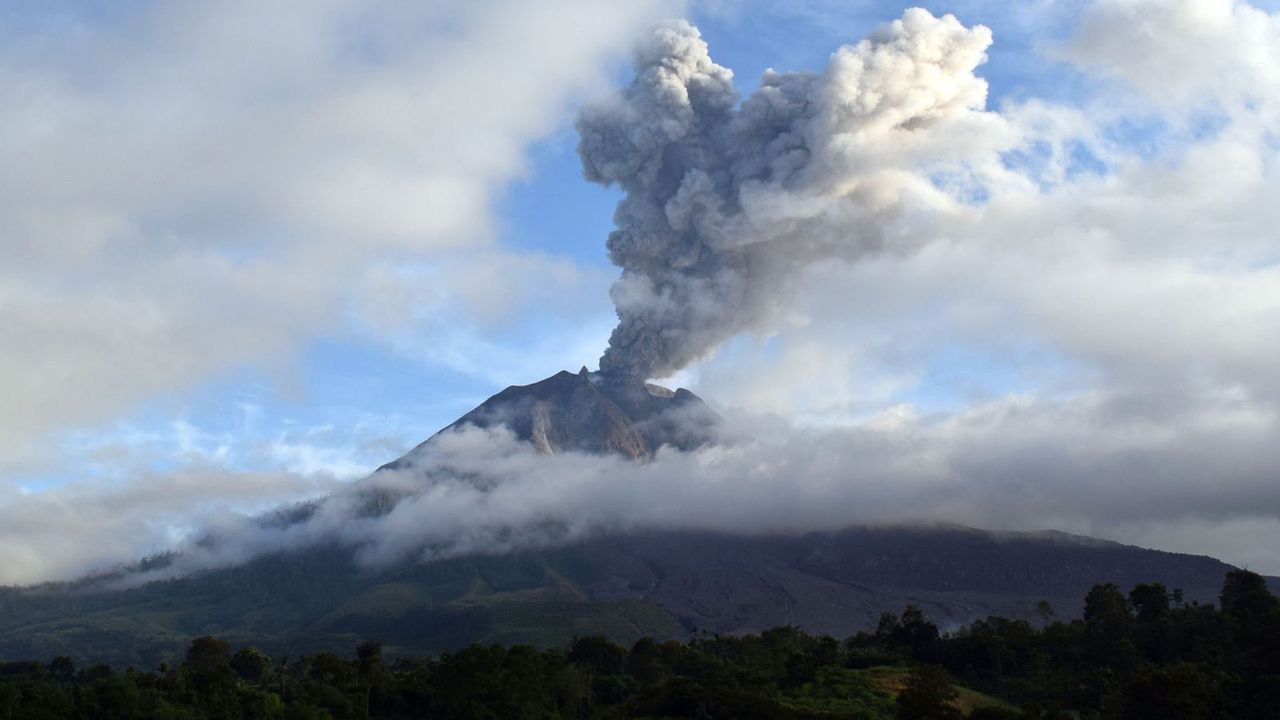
x=726, y=201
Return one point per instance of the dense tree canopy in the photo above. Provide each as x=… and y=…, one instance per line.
x=1141, y=655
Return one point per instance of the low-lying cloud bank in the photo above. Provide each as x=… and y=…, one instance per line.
x=63, y=533
x=1090, y=465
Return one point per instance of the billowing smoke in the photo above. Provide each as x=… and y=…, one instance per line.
x=726, y=202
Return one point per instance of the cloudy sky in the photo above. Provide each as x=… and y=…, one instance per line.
x=253, y=251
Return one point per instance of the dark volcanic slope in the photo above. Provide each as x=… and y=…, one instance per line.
x=591, y=412
x=658, y=584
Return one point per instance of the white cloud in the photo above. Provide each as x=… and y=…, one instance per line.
x=190, y=188
x=1089, y=465
x=1122, y=300
x=65, y=532
x=1195, y=52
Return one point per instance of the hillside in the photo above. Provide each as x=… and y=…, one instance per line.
x=662, y=585
x=665, y=585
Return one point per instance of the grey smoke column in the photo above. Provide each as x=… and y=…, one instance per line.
x=725, y=203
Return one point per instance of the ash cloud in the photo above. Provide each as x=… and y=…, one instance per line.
x=726, y=201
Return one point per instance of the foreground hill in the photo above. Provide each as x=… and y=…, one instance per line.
x=1146, y=655
x=664, y=585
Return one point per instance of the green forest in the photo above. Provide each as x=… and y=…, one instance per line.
x=1135, y=655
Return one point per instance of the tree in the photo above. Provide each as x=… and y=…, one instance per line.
x=1045, y=611
x=251, y=664
x=914, y=631
x=647, y=661
x=208, y=663
x=1245, y=594
x=329, y=669
x=928, y=696
x=1151, y=600
x=1170, y=691
x=599, y=654
x=1252, y=617
x=371, y=671
x=208, y=669
x=1154, y=633
x=887, y=624
x=281, y=671
x=62, y=668
x=1109, y=626
x=1106, y=610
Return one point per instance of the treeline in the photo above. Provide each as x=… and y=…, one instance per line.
x=1146, y=654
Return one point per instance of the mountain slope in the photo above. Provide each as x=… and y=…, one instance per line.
x=664, y=585
x=626, y=585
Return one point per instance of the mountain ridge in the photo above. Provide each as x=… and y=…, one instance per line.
x=666, y=584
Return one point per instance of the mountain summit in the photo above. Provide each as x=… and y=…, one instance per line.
x=591, y=412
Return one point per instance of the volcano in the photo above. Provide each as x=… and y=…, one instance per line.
x=664, y=584
x=593, y=413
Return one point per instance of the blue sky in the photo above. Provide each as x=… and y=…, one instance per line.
x=298, y=254
x=548, y=209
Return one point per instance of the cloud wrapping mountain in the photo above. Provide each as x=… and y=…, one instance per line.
x=1085, y=466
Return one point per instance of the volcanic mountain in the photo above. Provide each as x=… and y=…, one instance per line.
x=593, y=413
x=662, y=584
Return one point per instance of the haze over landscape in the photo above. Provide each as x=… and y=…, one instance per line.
x=1012, y=268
